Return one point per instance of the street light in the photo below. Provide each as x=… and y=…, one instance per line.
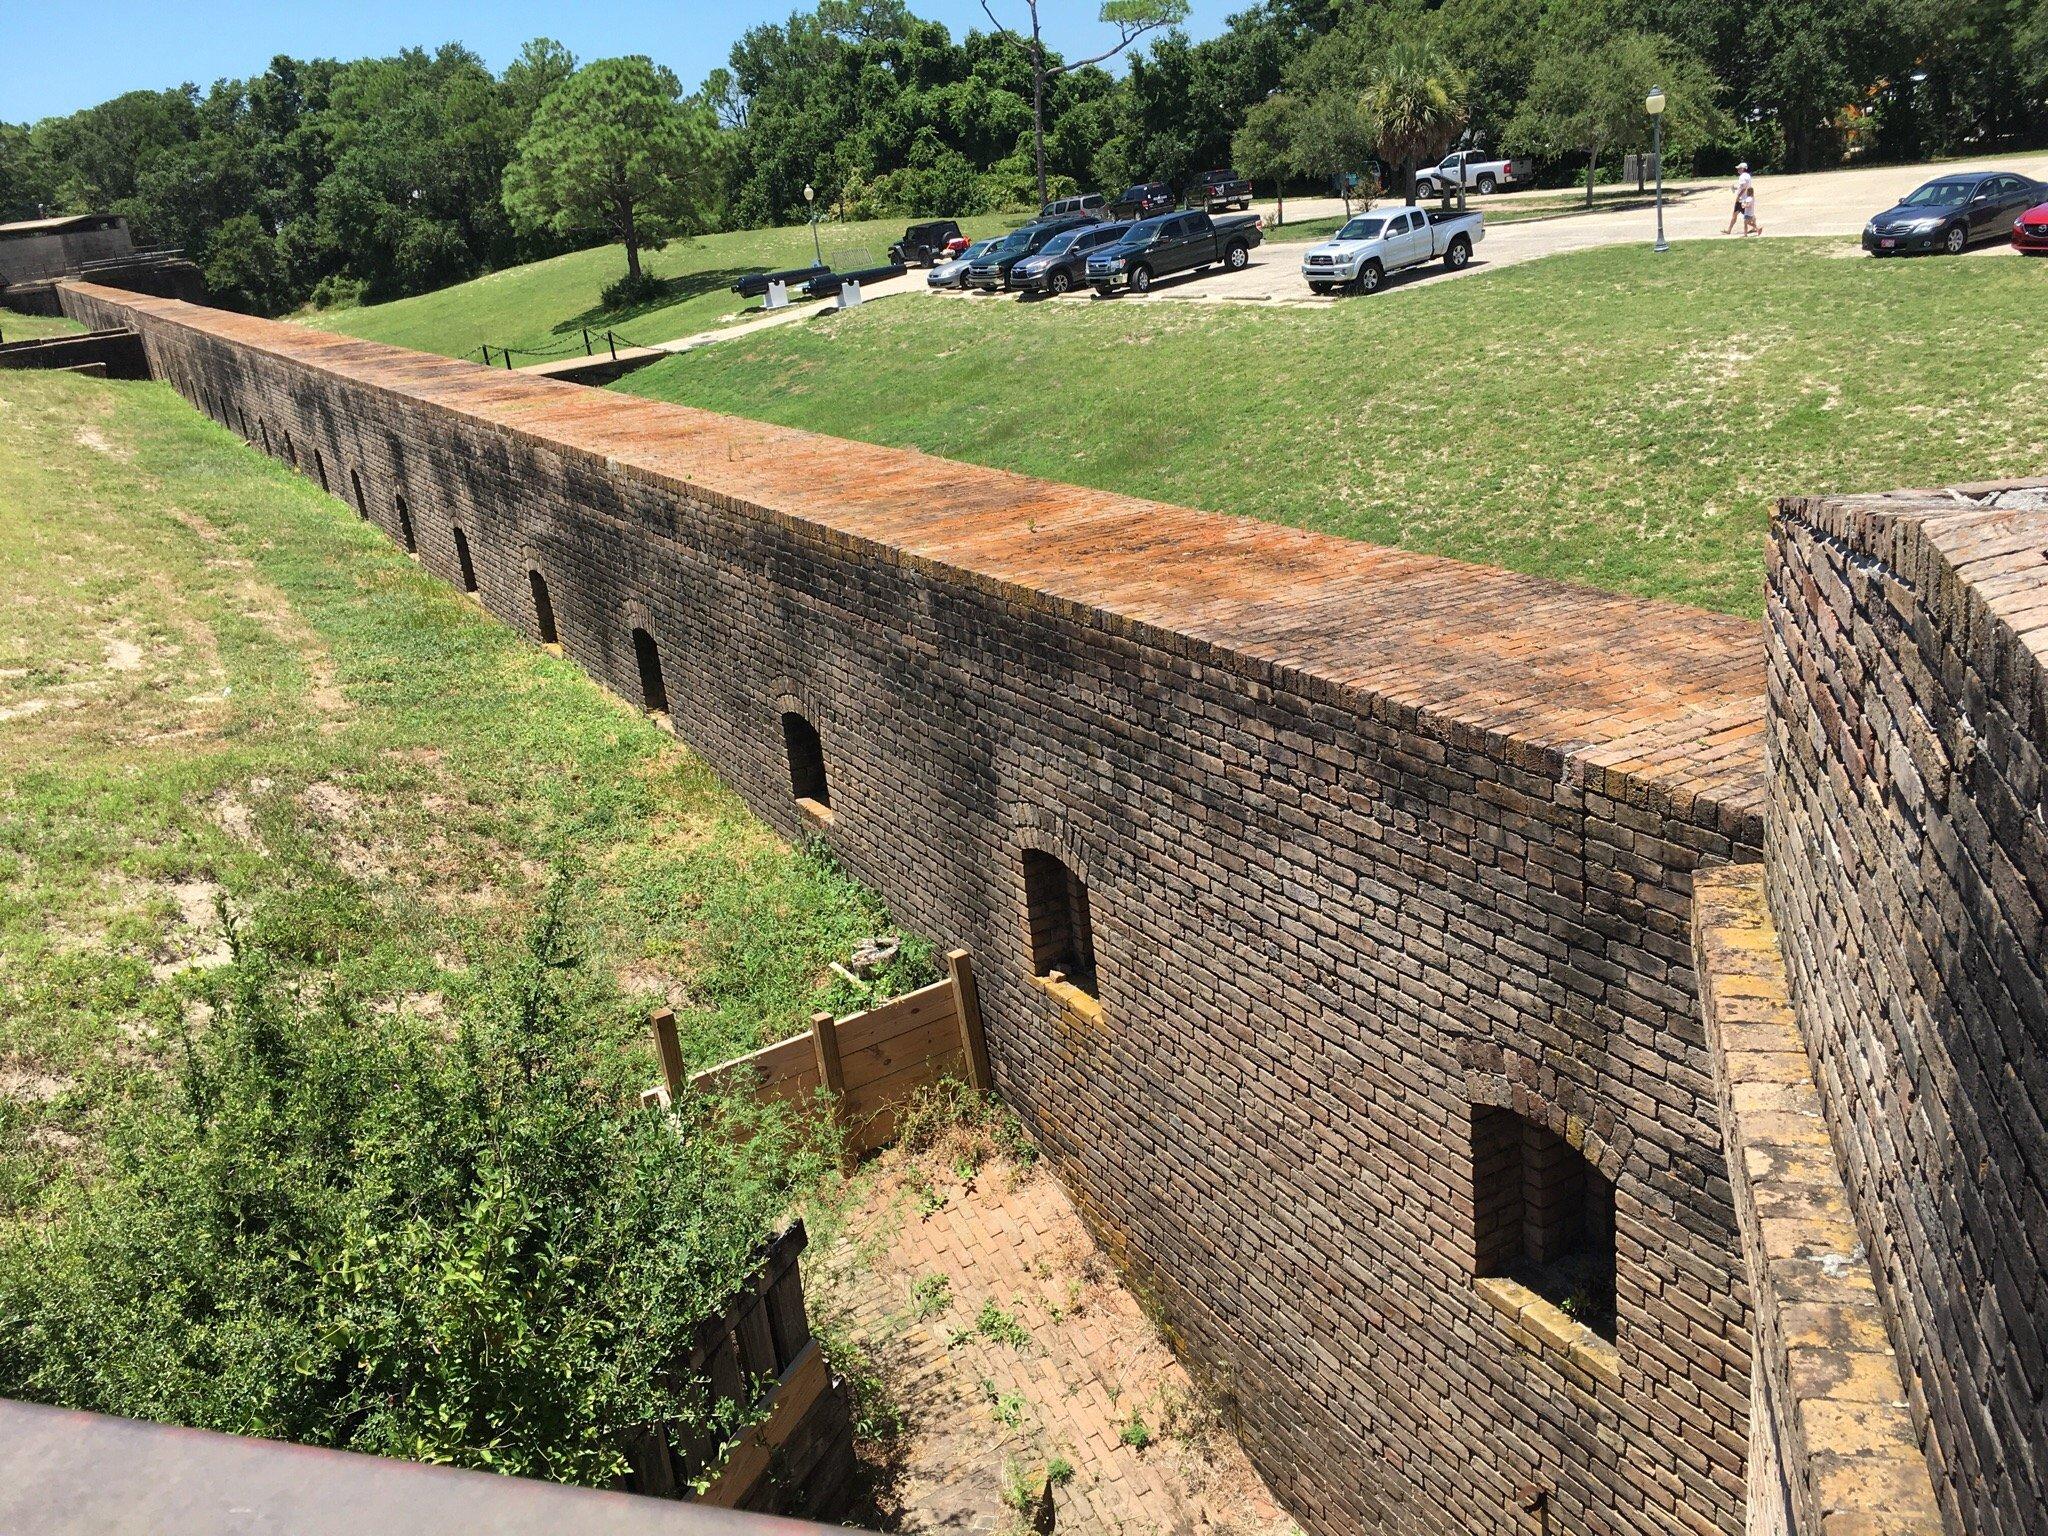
x=1654, y=105
x=811, y=198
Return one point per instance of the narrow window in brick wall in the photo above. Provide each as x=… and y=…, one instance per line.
x=320, y=467
x=462, y=561
x=1056, y=909
x=1543, y=1215
x=806, y=763
x=355, y=484
x=647, y=655
x=543, y=609
x=291, y=453
x=263, y=427
x=405, y=525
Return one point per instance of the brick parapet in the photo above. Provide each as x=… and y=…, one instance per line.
x=1356, y=824
x=1908, y=874
x=1834, y=1448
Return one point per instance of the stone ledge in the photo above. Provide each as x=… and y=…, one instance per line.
x=1070, y=997
x=1544, y=1329
x=1845, y=1441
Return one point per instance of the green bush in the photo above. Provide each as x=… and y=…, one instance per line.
x=337, y=1226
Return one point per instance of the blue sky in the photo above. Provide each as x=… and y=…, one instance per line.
x=62, y=57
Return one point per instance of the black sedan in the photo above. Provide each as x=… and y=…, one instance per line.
x=1952, y=213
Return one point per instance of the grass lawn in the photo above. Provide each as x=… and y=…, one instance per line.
x=17, y=327
x=1611, y=417
x=546, y=305
x=220, y=692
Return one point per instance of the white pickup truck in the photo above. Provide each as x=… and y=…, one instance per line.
x=1364, y=251
x=1465, y=168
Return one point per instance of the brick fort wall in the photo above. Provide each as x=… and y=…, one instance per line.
x=1908, y=872
x=1372, y=842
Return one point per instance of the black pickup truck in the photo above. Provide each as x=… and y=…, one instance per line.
x=1214, y=191
x=1177, y=242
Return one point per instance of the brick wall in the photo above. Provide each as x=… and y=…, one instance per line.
x=1368, y=839
x=1908, y=872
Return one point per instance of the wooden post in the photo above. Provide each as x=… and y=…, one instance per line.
x=670, y=1050
x=967, y=1004
x=825, y=1038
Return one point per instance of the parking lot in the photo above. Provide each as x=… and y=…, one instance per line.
x=1820, y=203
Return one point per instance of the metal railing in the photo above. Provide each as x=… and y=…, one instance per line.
x=611, y=340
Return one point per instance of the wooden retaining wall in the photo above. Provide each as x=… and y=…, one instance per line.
x=873, y=1063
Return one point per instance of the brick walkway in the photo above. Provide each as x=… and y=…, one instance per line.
x=1060, y=1368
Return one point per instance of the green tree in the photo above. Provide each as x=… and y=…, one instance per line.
x=613, y=149
x=1589, y=101
x=1132, y=20
x=1414, y=104
x=1264, y=146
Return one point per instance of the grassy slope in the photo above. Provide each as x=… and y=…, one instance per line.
x=17, y=327
x=546, y=304
x=215, y=681
x=1611, y=417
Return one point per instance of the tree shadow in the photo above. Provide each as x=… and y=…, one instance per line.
x=672, y=291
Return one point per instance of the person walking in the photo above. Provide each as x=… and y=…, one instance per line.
x=1745, y=187
x=1750, y=226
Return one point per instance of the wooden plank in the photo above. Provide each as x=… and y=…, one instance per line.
x=859, y=1031
x=794, y=1397
x=899, y=1087
x=967, y=1011
x=940, y=1036
x=775, y=1063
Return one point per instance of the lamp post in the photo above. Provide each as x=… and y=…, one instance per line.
x=1654, y=105
x=811, y=201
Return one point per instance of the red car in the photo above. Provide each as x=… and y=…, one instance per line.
x=2030, y=231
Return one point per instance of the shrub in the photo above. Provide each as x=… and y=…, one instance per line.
x=630, y=291
x=335, y=1226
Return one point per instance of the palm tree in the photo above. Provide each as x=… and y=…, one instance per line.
x=1414, y=100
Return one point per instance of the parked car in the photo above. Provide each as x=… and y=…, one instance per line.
x=1179, y=242
x=1214, y=191
x=2030, y=231
x=924, y=244
x=1144, y=200
x=1062, y=265
x=1364, y=251
x=1464, y=168
x=952, y=272
x=1084, y=204
x=991, y=270
x=1952, y=213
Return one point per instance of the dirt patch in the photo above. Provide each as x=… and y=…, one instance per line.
x=198, y=941
x=20, y=1081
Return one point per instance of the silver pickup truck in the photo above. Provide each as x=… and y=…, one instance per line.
x=1364, y=251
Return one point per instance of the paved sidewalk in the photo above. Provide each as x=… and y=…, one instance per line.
x=1005, y=1335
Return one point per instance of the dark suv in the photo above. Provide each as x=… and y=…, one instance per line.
x=1144, y=200
x=1061, y=265
x=924, y=245
x=991, y=270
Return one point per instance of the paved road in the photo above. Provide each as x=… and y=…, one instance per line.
x=1819, y=203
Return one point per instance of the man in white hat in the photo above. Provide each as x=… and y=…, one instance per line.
x=1744, y=183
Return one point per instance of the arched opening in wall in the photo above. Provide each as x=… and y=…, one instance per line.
x=355, y=484
x=405, y=526
x=1056, y=916
x=320, y=467
x=647, y=656
x=1543, y=1216
x=806, y=765
x=543, y=609
x=462, y=561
